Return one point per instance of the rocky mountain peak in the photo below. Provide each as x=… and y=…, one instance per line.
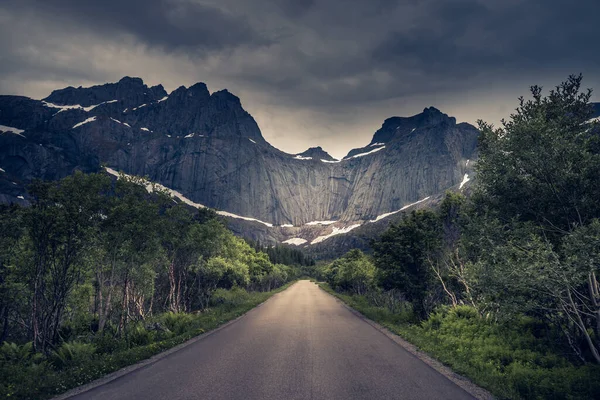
x=316, y=153
x=433, y=116
x=225, y=96
x=194, y=96
x=398, y=126
x=129, y=91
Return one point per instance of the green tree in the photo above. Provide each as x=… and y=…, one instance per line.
x=12, y=291
x=132, y=244
x=353, y=272
x=402, y=257
x=543, y=164
x=536, y=203
x=210, y=274
x=62, y=218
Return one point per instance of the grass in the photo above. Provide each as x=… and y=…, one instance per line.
x=26, y=375
x=519, y=361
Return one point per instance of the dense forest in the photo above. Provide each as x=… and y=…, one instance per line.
x=284, y=254
x=502, y=285
x=96, y=267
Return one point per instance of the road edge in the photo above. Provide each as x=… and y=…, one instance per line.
x=463, y=382
x=157, y=357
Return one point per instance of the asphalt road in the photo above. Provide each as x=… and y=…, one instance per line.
x=300, y=344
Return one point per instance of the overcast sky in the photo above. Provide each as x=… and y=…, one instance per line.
x=311, y=72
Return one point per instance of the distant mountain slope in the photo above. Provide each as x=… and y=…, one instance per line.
x=207, y=147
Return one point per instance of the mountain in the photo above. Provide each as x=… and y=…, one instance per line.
x=316, y=153
x=209, y=149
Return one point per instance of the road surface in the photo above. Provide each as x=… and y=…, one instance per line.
x=300, y=344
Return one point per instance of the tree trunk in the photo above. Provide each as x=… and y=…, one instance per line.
x=124, y=306
x=584, y=331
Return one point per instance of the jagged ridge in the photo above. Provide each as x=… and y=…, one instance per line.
x=209, y=148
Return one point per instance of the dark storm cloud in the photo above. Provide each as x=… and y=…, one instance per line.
x=167, y=23
x=459, y=38
x=308, y=68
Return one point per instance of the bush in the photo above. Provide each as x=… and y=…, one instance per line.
x=106, y=343
x=139, y=336
x=177, y=323
x=13, y=353
x=19, y=368
x=230, y=298
x=71, y=354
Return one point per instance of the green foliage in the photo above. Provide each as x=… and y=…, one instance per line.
x=546, y=152
x=230, y=298
x=402, y=256
x=13, y=353
x=536, y=210
x=512, y=360
x=354, y=272
x=96, y=270
x=73, y=353
x=283, y=254
x=177, y=322
x=139, y=336
x=27, y=375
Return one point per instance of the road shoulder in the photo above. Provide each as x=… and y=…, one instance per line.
x=461, y=381
x=157, y=357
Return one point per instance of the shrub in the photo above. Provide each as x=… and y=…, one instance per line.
x=106, y=343
x=177, y=323
x=13, y=353
x=71, y=354
x=139, y=336
x=230, y=298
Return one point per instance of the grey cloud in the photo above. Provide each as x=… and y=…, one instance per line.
x=466, y=37
x=167, y=23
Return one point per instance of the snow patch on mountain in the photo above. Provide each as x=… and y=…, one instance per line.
x=336, y=231
x=87, y=121
x=320, y=223
x=119, y=122
x=295, y=241
x=228, y=214
x=382, y=216
x=16, y=131
x=151, y=185
x=465, y=180
x=367, y=153
x=75, y=106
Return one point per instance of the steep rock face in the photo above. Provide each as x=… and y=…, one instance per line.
x=209, y=148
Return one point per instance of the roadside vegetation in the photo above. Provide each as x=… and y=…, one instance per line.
x=98, y=274
x=502, y=286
